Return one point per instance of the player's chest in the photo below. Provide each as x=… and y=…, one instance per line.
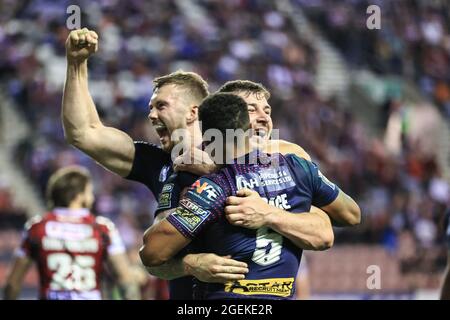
x=277, y=186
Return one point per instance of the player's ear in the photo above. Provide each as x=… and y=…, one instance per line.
x=193, y=114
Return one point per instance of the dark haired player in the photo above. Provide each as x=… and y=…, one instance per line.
x=174, y=105
x=272, y=254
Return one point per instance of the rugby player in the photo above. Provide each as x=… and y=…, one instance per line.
x=256, y=96
x=270, y=244
x=173, y=106
x=70, y=245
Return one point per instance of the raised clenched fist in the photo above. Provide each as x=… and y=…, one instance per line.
x=80, y=44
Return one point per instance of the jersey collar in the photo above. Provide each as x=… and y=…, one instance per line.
x=82, y=212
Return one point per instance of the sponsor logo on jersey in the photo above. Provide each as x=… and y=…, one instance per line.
x=281, y=287
x=73, y=295
x=206, y=188
x=168, y=187
x=69, y=231
x=193, y=207
x=164, y=200
x=280, y=201
x=80, y=246
x=189, y=219
x=272, y=179
x=165, y=197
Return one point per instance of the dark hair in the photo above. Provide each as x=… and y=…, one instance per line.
x=224, y=111
x=65, y=185
x=198, y=88
x=245, y=86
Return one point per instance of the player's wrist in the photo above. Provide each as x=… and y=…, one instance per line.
x=77, y=67
x=188, y=262
x=76, y=62
x=273, y=218
x=211, y=167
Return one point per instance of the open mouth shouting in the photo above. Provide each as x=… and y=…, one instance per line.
x=260, y=132
x=163, y=132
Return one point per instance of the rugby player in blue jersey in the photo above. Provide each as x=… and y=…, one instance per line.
x=256, y=96
x=173, y=106
x=269, y=246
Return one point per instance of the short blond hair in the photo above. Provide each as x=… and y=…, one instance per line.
x=196, y=85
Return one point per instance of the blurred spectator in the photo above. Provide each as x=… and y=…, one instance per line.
x=413, y=42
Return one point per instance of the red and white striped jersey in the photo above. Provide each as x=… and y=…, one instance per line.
x=70, y=248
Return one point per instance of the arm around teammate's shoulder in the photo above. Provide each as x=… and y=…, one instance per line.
x=343, y=211
x=341, y=208
x=285, y=147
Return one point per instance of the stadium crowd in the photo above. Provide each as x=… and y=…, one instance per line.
x=400, y=196
x=413, y=42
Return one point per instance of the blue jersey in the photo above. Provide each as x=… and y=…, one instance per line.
x=152, y=166
x=294, y=184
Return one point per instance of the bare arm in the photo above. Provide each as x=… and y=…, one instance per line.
x=309, y=231
x=206, y=267
x=121, y=268
x=445, y=291
x=198, y=162
x=15, y=277
x=285, y=147
x=161, y=242
x=343, y=211
x=172, y=268
x=83, y=129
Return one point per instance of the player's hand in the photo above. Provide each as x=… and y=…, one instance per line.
x=81, y=44
x=209, y=267
x=247, y=209
x=195, y=161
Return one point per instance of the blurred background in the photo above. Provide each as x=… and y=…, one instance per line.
x=372, y=108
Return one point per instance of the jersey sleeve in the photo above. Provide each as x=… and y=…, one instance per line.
x=171, y=191
x=24, y=250
x=148, y=162
x=26, y=244
x=323, y=190
x=201, y=206
x=115, y=244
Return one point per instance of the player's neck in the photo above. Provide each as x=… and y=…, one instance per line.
x=74, y=205
x=195, y=134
